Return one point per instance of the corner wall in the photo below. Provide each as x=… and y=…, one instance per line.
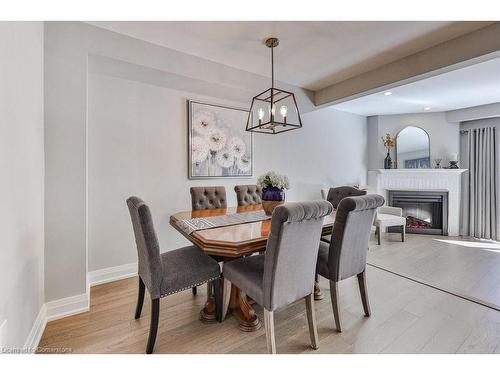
x=444, y=135
x=22, y=175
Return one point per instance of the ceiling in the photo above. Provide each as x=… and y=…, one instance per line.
x=467, y=87
x=311, y=55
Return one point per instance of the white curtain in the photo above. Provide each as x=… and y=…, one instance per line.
x=482, y=185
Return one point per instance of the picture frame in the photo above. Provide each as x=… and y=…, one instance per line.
x=218, y=144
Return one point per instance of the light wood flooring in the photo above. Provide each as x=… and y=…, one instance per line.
x=458, y=264
x=407, y=317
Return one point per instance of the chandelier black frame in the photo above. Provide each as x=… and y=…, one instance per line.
x=271, y=97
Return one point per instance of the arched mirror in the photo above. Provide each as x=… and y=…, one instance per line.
x=412, y=148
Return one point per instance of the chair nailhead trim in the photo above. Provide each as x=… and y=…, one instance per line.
x=188, y=287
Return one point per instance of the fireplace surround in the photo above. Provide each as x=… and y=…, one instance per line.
x=381, y=181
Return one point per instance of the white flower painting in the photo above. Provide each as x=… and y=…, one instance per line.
x=199, y=149
x=225, y=158
x=236, y=146
x=203, y=122
x=219, y=146
x=216, y=139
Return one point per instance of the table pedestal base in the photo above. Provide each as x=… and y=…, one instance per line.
x=208, y=313
x=239, y=306
x=243, y=311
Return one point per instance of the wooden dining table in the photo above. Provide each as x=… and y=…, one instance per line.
x=229, y=242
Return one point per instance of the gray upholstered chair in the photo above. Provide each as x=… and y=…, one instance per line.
x=285, y=272
x=336, y=194
x=166, y=273
x=345, y=256
x=248, y=195
x=208, y=197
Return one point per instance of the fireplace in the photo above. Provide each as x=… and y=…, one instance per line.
x=426, y=212
x=432, y=180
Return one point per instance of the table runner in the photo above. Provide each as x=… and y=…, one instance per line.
x=190, y=225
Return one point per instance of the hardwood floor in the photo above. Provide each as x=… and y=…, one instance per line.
x=407, y=317
x=464, y=266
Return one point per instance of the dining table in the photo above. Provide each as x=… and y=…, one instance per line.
x=227, y=234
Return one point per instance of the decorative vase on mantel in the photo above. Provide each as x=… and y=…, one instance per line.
x=388, y=161
x=271, y=198
x=389, y=142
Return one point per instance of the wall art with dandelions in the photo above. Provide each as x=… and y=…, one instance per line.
x=219, y=144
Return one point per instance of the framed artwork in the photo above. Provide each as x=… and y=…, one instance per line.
x=218, y=145
x=418, y=163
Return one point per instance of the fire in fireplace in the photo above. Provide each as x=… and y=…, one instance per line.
x=415, y=222
x=426, y=212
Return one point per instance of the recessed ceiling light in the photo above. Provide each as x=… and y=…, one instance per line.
x=427, y=108
x=387, y=93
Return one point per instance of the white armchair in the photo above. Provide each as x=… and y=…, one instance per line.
x=324, y=193
x=389, y=217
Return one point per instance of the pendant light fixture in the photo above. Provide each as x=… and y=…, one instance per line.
x=274, y=110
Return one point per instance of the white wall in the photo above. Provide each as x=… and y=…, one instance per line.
x=331, y=150
x=474, y=113
x=137, y=145
x=22, y=173
x=444, y=135
x=65, y=110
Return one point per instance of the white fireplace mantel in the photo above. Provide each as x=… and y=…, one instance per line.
x=380, y=181
x=436, y=171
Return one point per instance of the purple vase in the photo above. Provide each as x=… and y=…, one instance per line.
x=273, y=194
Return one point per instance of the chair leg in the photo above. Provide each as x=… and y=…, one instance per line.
x=403, y=233
x=269, y=323
x=378, y=235
x=140, y=299
x=226, y=297
x=311, y=320
x=334, y=294
x=195, y=290
x=218, y=300
x=153, y=328
x=364, y=292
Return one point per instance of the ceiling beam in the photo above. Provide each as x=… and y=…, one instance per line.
x=465, y=50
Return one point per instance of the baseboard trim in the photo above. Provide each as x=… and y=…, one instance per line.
x=64, y=307
x=107, y=275
x=73, y=305
x=37, y=329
